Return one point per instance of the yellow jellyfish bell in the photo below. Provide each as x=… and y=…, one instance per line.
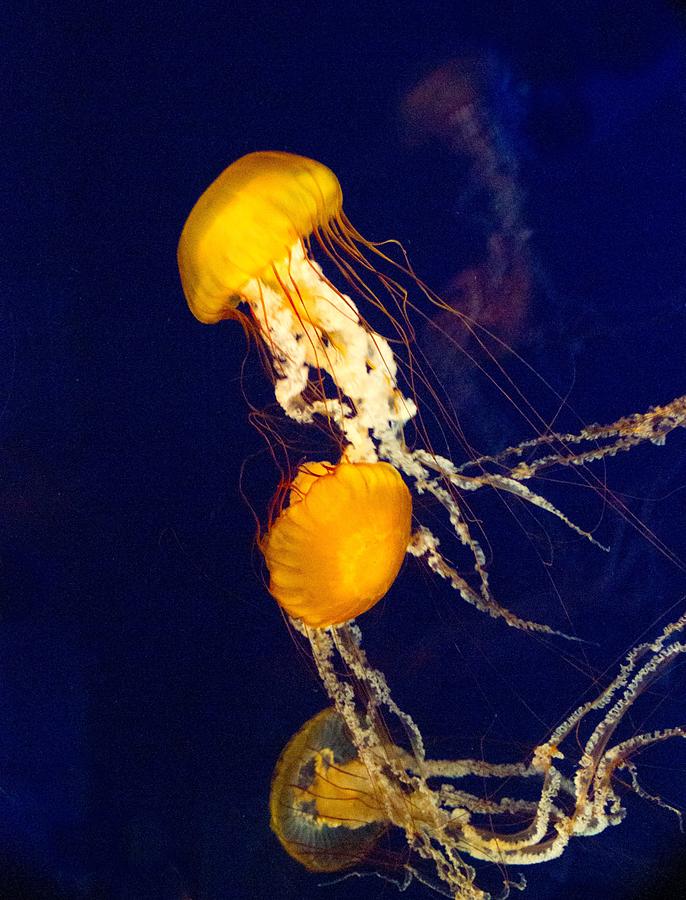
x=338, y=547
x=246, y=221
x=323, y=805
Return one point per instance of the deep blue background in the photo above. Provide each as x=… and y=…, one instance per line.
x=147, y=682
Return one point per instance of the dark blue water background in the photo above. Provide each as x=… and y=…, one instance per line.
x=147, y=681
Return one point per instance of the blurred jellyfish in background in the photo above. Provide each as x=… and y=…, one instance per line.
x=504, y=130
x=468, y=104
x=339, y=527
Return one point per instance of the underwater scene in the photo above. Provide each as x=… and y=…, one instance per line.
x=342, y=548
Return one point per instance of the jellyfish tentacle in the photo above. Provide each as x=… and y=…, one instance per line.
x=348, y=641
x=631, y=768
x=426, y=545
x=654, y=425
x=595, y=804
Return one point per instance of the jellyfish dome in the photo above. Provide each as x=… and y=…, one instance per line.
x=323, y=805
x=338, y=546
x=247, y=220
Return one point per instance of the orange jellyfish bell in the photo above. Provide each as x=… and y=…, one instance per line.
x=247, y=221
x=338, y=547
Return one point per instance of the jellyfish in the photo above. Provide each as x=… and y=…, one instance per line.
x=324, y=807
x=262, y=245
x=333, y=795
x=467, y=105
x=343, y=537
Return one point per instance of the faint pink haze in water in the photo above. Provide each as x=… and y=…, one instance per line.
x=454, y=104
